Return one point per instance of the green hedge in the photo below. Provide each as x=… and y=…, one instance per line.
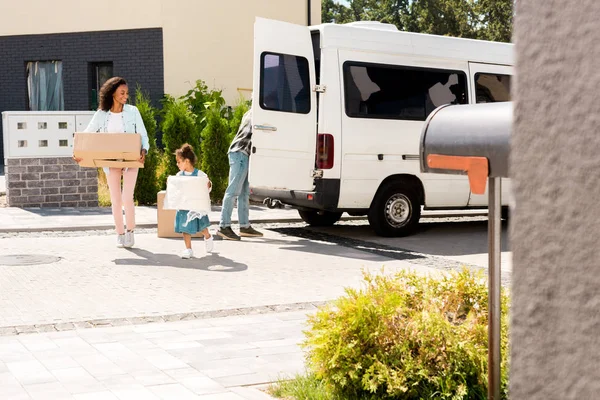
x=147, y=185
x=407, y=337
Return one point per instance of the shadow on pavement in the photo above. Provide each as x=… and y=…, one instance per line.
x=212, y=263
x=433, y=238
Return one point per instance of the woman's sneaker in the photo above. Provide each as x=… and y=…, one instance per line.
x=129, y=239
x=250, y=232
x=208, y=244
x=120, y=241
x=187, y=253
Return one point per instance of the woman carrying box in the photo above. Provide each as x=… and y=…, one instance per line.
x=115, y=116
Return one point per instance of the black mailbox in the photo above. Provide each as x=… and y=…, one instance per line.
x=468, y=139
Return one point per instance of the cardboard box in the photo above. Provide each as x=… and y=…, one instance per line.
x=166, y=219
x=113, y=150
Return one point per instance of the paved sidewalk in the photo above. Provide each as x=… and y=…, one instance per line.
x=212, y=359
x=63, y=279
x=13, y=219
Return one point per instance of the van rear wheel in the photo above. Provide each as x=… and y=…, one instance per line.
x=319, y=218
x=395, y=211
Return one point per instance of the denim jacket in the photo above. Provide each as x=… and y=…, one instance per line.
x=132, y=120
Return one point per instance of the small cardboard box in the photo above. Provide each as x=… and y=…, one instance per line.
x=114, y=150
x=166, y=219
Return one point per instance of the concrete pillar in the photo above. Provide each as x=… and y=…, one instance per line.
x=555, y=230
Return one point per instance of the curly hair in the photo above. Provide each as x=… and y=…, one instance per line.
x=107, y=90
x=186, y=152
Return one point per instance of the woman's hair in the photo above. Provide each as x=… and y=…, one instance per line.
x=107, y=90
x=186, y=152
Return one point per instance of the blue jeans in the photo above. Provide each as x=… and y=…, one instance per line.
x=238, y=187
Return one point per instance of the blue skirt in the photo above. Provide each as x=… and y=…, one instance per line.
x=194, y=226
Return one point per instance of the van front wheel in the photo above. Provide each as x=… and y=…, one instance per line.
x=319, y=218
x=395, y=211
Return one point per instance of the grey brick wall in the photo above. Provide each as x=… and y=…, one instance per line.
x=137, y=56
x=50, y=182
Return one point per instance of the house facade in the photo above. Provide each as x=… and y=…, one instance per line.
x=56, y=55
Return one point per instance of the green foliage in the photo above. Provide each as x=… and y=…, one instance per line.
x=196, y=99
x=235, y=117
x=215, y=143
x=476, y=19
x=178, y=126
x=407, y=337
x=147, y=185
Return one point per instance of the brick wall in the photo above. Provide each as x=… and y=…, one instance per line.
x=136, y=54
x=50, y=182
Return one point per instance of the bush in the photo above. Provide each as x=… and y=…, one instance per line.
x=178, y=126
x=147, y=185
x=215, y=143
x=407, y=337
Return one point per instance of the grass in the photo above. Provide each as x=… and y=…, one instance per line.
x=303, y=387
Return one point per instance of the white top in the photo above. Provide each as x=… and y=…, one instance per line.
x=115, y=123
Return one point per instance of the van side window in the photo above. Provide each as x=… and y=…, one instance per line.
x=284, y=83
x=396, y=92
x=492, y=88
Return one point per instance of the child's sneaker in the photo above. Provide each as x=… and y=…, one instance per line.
x=120, y=241
x=208, y=244
x=187, y=253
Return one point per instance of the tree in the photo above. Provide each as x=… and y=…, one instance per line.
x=477, y=19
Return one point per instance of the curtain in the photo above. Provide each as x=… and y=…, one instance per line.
x=45, y=86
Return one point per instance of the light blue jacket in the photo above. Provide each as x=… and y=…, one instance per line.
x=132, y=120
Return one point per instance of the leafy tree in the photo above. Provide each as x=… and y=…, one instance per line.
x=477, y=19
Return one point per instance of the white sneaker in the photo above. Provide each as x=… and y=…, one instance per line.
x=209, y=244
x=129, y=239
x=187, y=253
x=120, y=241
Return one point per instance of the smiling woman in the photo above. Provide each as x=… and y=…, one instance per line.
x=114, y=115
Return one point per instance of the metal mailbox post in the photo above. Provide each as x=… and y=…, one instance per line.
x=474, y=140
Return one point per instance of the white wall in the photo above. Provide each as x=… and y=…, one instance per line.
x=202, y=39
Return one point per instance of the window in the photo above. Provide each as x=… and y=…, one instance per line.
x=492, y=88
x=45, y=86
x=394, y=92
x=284, y=83
x=99, y=73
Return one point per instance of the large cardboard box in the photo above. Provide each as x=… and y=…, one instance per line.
x=114, y=150
x=166, y=219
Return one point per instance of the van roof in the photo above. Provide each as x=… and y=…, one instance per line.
x=386, y=38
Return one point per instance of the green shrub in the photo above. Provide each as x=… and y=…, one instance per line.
x=407, y=337
x=178, y=127
x=147, y=185
x=215, y=143
x=236, y=117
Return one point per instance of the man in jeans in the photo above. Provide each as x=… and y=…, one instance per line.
x=239, y=154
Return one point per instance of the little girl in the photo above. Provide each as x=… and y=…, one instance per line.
x=186, y=158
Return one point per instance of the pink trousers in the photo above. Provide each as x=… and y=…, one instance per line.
x=122, y=199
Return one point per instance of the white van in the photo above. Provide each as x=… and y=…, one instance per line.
x=338, y=112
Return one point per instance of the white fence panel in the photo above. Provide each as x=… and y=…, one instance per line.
x=41, y=133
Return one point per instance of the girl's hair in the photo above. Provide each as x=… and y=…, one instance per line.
x=186, y=152
x=107, y=90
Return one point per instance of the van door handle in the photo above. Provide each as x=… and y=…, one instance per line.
x=265, y=128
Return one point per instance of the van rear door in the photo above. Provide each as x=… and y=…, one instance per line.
x=284, y=108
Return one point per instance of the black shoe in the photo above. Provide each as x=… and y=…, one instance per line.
x=250, y=232
x=227, y=234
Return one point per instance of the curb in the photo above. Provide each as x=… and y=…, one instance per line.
x=101, y=227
